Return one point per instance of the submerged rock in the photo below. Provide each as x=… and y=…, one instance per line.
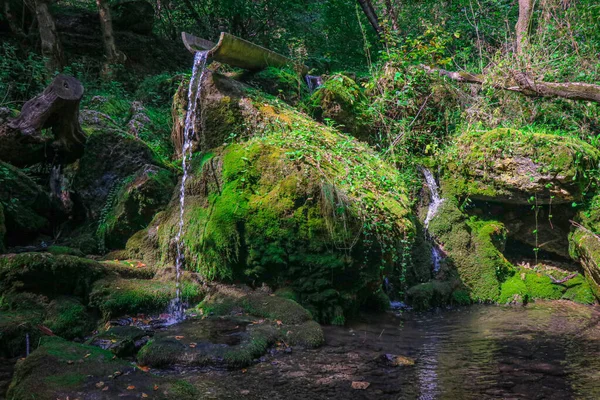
x=298, y=203
x=510, y=166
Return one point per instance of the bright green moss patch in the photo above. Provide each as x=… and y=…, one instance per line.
x=309, y=334
x=116, y=297
x=514, y=290
x=579, y=291
x=65, y=250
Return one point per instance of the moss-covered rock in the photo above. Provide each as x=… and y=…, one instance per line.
x=61, y=369
x=115, y=297
x=26, y=206
x=15, y=326
x=506, y=165
x=123, y=341
x=44, y=273
x=109, y=159
x=68, y=318
x=308, y=334
x=283, y=83
x=301, y=206
x=340, y=99
x=139, y=198
x=474, y=248
x=584, y=243
x=64, y=250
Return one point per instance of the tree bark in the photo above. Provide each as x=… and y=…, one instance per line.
x=370, y=13
x=523, y=24
x=392, y=15
x=51, y=45
x=526, y=85
x=113, y=55
x=22, y=141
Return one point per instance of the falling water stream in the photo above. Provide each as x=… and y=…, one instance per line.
x=177, y=310
x=435, y=201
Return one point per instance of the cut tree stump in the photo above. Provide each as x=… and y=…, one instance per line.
x=23, y=140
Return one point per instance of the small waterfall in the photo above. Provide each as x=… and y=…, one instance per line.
x=176, y=309
x=313, y=82
x=435, y=201
x=27, y=345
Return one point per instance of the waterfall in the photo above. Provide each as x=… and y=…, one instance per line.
x=313, y=82
x=176, y=309
x=435, y=201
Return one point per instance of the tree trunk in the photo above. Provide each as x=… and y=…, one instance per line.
x=22, y=141
x=113, y=55
x=51, y=46
x=369, y=11
x=392, y=15
x=526, y=85
x=523, y=24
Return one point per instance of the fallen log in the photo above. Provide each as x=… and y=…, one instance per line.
x=523, y=83
x=24, y=141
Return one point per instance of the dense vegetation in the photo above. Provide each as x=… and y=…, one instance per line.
x=316, y=195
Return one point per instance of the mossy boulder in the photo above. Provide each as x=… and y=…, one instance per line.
x=341, y=100
x=61, y=369
x=283, y=83
x=47, y=274
x=109, y=159
x=474, y=247
x=115, y=297
x=139, y=198
x=68, y=318
x=507, y=165
x=584, y=243
x=26, y=207
x=527, y=285
x=15, y=326
x=300, y=205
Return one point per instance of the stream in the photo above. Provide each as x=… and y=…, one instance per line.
x=547, y=350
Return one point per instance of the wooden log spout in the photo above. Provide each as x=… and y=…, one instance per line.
x=24, y=141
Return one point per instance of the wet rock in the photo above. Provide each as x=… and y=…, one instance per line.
x=123, y=341
x=393, y=360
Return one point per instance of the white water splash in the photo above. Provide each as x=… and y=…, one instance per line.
x=176, y=309
x=435, y=201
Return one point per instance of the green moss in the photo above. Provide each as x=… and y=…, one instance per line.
x=287, y=293
x=68, y=318
x=309, y=334
x=261, y=337
x=161, y=353
x=428, y=295
x=579, y=291
x=64, y=250
x=474, y=249
x=14, y=326
x=284, y=83
x=540, y=286
x=115, y=297
x=48, y=274
x=514, y=165
x=130, y=269
x=68, y=369
x=139, y=198
x=514, y=290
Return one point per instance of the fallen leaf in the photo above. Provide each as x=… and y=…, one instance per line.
x=279, y=323
x=70, y=362
x=155, y=387
x=244, y=371
x=105, y=388
x=145, y=369
x=179, y=337
x=193, y=345
x=99, y=384
x=130, y=387
x=358, y=385
x=144, y=395
x=117, y=373
x=87, y=355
